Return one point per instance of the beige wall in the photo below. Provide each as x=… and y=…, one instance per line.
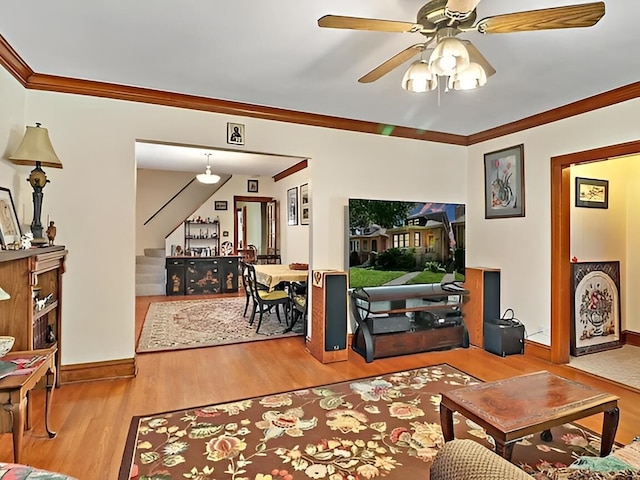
x=599, y=235
x=521, y=247
x=92, y=199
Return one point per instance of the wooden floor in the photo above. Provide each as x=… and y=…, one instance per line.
x=92, y=418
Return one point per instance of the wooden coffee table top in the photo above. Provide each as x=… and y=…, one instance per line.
x=526, y=404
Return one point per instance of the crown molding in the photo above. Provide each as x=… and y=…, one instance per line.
x=15, y=65
x=605, y=99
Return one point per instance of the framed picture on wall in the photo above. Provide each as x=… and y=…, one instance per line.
x=595, y=313
x=592, y=193
x=235, y=133
x=292, y=206
x=220, y=205
x=504, y=183
x=252, y=186
x=9, y=226
x=304, y=204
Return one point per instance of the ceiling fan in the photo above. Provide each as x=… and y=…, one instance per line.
x=459, y=61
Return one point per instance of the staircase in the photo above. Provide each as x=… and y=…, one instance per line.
x=150, y=276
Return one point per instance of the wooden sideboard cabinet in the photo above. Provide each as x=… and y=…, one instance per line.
x=202, y=275
x=35, y=322
x=402, y=319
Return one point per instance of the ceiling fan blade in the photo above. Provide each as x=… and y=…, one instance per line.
x=372, y=24
x=395, y=61
x=477, y=57
x=584, y=15
x=460, y=9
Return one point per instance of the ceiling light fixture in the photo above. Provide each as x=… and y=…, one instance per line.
x=208, y=177
x=451, y=59
x=418, y=78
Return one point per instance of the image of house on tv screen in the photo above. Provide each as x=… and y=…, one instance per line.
x=397, y=243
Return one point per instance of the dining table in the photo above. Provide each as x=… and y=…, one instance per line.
x=271, y=275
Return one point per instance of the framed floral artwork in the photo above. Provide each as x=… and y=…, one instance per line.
x=504, y=183
x=595, y=316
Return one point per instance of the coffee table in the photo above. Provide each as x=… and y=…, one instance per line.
x=519, y=406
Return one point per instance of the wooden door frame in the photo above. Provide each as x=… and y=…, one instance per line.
x=561, y=239
x=241, y=198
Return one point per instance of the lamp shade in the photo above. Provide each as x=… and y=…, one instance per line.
x=418, y=78
x=36, y=147
x=449, y=57
x=472, y=77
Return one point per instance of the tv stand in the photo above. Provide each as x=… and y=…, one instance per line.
x=403, y=319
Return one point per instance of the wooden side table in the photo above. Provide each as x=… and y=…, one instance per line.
x=513, y=408
x=14, y=392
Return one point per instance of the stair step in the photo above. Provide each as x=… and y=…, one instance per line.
x=149, y=289
x=142, y=278
x=144, y=259
x=155, y=252
x=149, y=268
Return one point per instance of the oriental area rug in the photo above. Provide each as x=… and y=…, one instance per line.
x=205, y=323
x=379, y=427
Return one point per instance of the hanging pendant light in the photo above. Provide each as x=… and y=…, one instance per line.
x=208, y=177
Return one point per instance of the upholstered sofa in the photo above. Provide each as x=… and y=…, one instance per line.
x=13, y=471
x=468, y=460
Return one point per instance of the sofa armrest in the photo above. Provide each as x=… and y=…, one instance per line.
x=468, y=460
x=25, y=472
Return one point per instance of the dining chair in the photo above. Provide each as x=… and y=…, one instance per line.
x=299, y=307
x=264, y=300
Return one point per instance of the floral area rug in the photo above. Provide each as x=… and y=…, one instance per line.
x=204, y=323
x=379, y=427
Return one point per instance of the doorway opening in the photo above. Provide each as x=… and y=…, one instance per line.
x=561, y=240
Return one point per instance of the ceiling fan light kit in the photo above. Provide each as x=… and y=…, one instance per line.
x=208, y=177
x=440, y=21
x=418, y=78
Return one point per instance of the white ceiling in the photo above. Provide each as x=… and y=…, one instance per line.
x=273, y=53
x=180, y=158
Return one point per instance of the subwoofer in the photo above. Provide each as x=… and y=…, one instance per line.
x=328, y=341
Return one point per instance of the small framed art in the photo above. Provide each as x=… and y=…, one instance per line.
x=220, y=205
x=304, y=204
x=235, y=133
x=9, y=226
x=592, y=193
x=292, y=206
x=504, y=183
x=252, y=186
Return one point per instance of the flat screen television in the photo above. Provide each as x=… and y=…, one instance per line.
x=396, y=242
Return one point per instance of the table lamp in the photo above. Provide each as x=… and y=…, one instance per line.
x=36, y=149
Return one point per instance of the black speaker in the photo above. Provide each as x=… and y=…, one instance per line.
x=335, y=337
x=491, y=293
x=504, y=337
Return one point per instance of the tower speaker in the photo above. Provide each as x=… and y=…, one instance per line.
x=483, y=303
x=328, y=341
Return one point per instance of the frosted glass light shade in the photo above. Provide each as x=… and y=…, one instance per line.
x=208, y=177
x=418, y=78
x=449, y=57
x=472, y=77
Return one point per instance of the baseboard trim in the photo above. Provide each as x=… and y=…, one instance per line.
x=631, y=338
x=537, y=350
x=109, y=370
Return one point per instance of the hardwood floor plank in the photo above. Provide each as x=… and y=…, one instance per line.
x=92, y=418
